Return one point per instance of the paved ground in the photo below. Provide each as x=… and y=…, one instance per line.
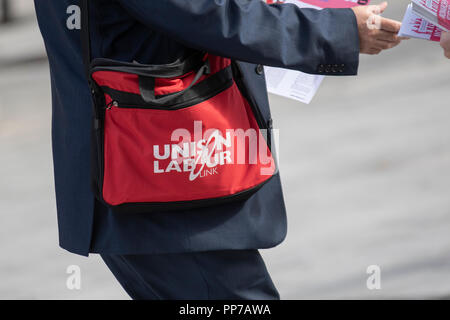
x=366, y=172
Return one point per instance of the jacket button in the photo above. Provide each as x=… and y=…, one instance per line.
x=259, y=69
x=320, y=68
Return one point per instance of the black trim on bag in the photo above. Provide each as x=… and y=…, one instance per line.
x=97, y=144
x=146, y=207
x=201, y=91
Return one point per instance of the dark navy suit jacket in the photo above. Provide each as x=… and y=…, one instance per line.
x=161, y=31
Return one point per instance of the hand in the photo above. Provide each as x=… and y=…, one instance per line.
x=375, y=32
x=445, y=43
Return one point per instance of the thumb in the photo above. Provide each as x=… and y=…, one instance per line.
x=383, y=6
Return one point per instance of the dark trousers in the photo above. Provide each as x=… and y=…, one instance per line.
x=228, y=274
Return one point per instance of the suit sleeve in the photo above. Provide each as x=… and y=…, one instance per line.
x=281, y=35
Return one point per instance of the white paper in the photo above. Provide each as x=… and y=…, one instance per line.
x=293, y=84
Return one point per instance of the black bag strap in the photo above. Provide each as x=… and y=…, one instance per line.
x=85, y=37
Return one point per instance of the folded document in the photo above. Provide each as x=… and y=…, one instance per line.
x=426, y=19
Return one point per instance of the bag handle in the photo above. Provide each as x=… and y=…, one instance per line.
x=147, y=87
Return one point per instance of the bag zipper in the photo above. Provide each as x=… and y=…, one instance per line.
x=181, y=105
x=112, y=103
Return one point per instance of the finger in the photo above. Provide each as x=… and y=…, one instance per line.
x=390, y=25
x=386, y=36
x=378, y=9
x=374, y=51
x=447, y=54
x=381, y=44
x=445, y=44
x=387, y=44
x=383, y=6
x=445, y=40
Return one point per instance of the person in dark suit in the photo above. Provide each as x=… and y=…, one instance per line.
x=208, y=253
x=445, y=43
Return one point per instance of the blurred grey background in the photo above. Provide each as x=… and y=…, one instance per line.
x=365, y=168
